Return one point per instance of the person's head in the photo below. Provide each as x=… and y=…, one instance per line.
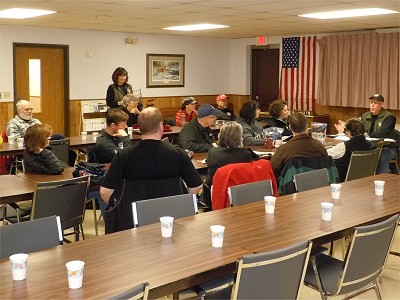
x=250, y=111
x=24, y=109
x=150, y=121
x=298, y=123
x=376, y=103
x=222, y=101
x=189, y=104
x=120, y=76
x=130, y=101
x=116, y=119
x=354, y=127
x=230, y=135
x=37, y=136
x=206, y=115
x=278, y=109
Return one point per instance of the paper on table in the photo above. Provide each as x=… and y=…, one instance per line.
x=342, y=138
x=203, y=161
x=263, y=153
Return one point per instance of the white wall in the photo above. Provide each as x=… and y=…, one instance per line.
x=213, y=66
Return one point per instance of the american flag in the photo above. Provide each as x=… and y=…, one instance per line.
x=298, y=83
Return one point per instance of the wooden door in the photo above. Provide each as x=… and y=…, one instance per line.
x=52, y=106
x=265, y=76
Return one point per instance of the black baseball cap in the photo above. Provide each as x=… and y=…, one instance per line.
x=377, y=97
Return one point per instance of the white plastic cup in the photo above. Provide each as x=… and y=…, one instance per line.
x=75, y=273
x=335, y=190
x=84, y=135
x=269, y=204
x=167, y=224
x=130, y=130
x=95, y=135
x=217, y=235
x=327, y=209
x=20, y=142
x=379, y=187
x=277, y=143
x=11, y=141
x=18, y=265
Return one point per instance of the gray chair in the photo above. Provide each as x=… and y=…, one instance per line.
x=60, y=148
x=363, y=164
x=270, y=275
x=64, y=198
x=149, y=211
x=30, y=236
x=139, y=292
x=166, y=140
x=364, y=262
x=311, y=180
x=250, y=192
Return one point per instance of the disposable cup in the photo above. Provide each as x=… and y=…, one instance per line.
x=327, y=209
x=20, y=142
x=95, y=135
x=167, y=224
x=335, y=190
x=130, y=130
x=75, y=273
x=217, y=235
x=84, y=135
x=18, y=265
x=269, y=204
x=379, y=187
x=11, y=141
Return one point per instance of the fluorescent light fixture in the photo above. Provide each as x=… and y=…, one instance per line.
x=24, y=13
x=195, y=27
x=349, y=13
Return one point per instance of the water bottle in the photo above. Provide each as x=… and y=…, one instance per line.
x=183, y=119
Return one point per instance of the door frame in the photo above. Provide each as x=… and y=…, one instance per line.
x=65, y=49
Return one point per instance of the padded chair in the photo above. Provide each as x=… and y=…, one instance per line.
x=270, y=275
x=64, y=198
x=311, y=180
x=139, y=292
x=363, y=164
x=249, y=192
x=166, y=140
x=364, y=262
x=60, y=148
x=149, y=211
x=30, y=236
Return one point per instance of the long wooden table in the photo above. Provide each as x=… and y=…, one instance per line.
x=119, y=261
x=14, y=189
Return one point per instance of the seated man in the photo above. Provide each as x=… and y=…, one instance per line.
x=300, y=145
x=114, y=138
x=23, y=120
x=145, y=162
x=197, y=135
x=222, y=106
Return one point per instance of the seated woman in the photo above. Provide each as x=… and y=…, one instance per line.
x=252, y=130
x=341, y=153
x=187, y=111
x=230, y=151
x=130, y=107
x=279, y=112
x=37, y=157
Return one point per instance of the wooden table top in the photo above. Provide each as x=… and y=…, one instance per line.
x=14, y=189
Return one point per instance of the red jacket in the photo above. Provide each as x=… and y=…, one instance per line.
x=239, y=173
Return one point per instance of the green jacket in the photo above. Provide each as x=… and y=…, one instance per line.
x=384, y=125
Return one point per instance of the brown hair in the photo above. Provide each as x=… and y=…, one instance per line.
x=119, y=72
x=230, y=135
x=298, y=122
x=36, y=136
x=276, y=107
x=248, y=111
x=115, y=115
x=149, y=119
x=355, y=127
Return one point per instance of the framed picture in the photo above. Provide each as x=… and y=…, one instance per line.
x=165, y=70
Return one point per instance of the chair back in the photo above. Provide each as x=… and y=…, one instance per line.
x=367, y=254
x=272, y=275
x=64, y=198
x=139, y=292
x=150, y=211
x=311, y=180
x=30, y=236
x=250, y=192
x=166, y=140
x=60, y=148
x=363, y=164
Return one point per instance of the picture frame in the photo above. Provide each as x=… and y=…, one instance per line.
x=165, y=70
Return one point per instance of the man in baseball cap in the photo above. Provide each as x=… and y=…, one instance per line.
x=222, y=106
x=197, y=135
x=187, y=111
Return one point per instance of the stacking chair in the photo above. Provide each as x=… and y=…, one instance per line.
x=139, y=292
x=311, y=180
x=64, y=198
x=30, y=236
x=250, y=192
x=270, y=275
x=149, y=211
x=60, y=148
x=363, y=164
x=364, y=262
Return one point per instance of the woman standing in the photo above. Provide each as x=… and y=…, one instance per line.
x=252, y=130
x=187, y=111
x=279, y=112
x=120, y=88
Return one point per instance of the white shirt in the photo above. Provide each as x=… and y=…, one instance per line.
x=337, y=151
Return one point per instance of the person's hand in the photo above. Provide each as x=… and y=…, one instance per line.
x=340, y=126
x=121, y=133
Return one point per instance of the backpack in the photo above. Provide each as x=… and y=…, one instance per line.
x=95, y=170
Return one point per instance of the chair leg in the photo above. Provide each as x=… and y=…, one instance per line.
x=377, y=291
x=96, y=228
x=83, y=234
x=318, y=278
